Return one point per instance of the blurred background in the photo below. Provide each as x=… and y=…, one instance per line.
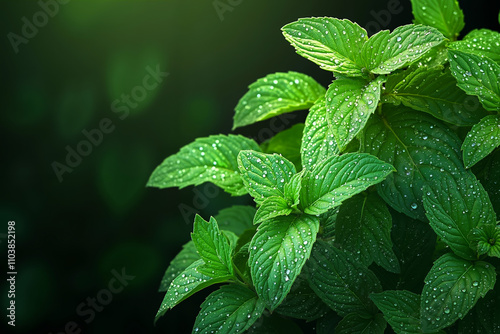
x=140, y=79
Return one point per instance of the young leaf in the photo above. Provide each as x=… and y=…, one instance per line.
x=264, y=175
x=338, y=178
x=273, y=206
x=349, y=104
x=454, y=207
x=478, y=76
x=486, y=240
x=231, y=309
x=418, y=146
x=483, y=138
x=180, y=262
x=236, y=218
x=356, y=324
x=185, y=285
x=434, y=91
x=278, y=252
x=386, y=52
x=452, y=288
x=209, y=159
x=213, y=247
x=331, y=43
x=481, y=42
x=445, y=15
x=287, y=143
x=318, y=140
x=401, y=310
x=302, y=302
x=292, y=190
x=340, y=281
x=363, y=227
x=276, y=94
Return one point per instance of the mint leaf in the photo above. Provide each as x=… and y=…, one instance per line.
x=340, y=281
x=445, y=15
x=481, y=42
x=356, y=324
x=478, y=76
x=287, y=143
x=185, y=285
x=486, y=240
x=331, y=43
x=401, y=310
x=264, y=175
x=418, y=146
x=338, y=178
x=273, y=206
x=456, y=205
x=213, y=247
x=363, y=227
x=181, y=261
x=452, y=288
x=292, y=190
x=482, y=139
x=302, y=303
x=278, y=252
x=209, y=159
x=276, y=94
x=434, y=91
x=318, y=140
x=349, y=104
x=386, y=52
x=231, y=309
x=236, y=218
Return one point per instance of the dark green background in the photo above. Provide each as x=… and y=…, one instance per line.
x=72, y=234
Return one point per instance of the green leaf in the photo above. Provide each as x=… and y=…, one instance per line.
x=481, y=42
x=264, y=175
x=340, y=281
x=231, y=309
x=363, y=227
x=483, y=138
x=486, y=240
x=287, y=143
x=273, y=206
x=278, y=252
x=338, y=178
x=445, y=15
x=302, y=302
x=213, y=247
x=454, y=207
x=477, y=76
x=401, y=310
x=181, y=261
x=236, y=218
x=434, y=91
x=318, y=140
x=418, y=146
x=331, y=43
x=386, y=52
x=349, y=104
x=185, y=285
x=355, y=324
x=489, y=176
x=292, y=190
x=276, y=94
x=327, y=222
x=209, y=159
x=452, y=288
